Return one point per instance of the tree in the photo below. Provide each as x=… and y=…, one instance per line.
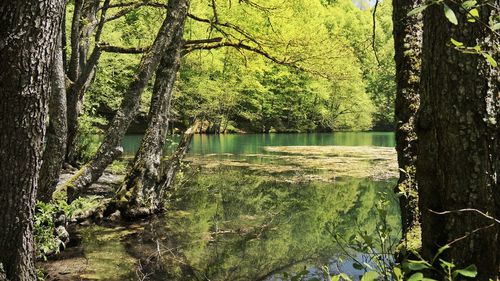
x=27, y=44
x=408, y=49
x=458, y=135
x=111, y=145
x=82, y=62
x=55, y=144
x=141, y=193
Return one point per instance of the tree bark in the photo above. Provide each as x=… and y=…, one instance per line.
x=73, y=68
x=85, y=66
x=27, y=43
x=139, y=190
x=55, y=148
x=408, y=48
x=110, y=148
x=458, y=136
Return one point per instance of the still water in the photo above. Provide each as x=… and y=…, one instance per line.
x=254, y=143
x=311, y=208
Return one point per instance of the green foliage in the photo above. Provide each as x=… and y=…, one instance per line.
x=334, y=84
x=88, y=137
x=471, y=11
x=46, y=239
x=446, y=270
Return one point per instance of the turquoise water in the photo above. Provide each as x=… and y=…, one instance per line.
x=254, y=143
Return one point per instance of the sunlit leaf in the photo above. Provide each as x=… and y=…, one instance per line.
x=472, y=15
x=417, y=10
x=490, y=59
x=398, y=274
x=450, y=15
x=469, y=4
x=456, y=43
x=370, y=276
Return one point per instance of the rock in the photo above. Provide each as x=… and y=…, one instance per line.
x=62, y=233
x=116, y=216
x=61, y=219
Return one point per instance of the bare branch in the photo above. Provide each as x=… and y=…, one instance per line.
x=122, y=50
x=147, y=3
x=466, y=210
x=203, y=41
x=131, y=6
x=374, y=34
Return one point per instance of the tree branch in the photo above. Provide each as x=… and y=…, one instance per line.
x=123, y=50
x=464, y=211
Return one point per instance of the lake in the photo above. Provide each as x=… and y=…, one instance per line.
x=254, y=143
x=259, y=207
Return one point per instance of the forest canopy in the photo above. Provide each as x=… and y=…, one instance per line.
x=306, y=66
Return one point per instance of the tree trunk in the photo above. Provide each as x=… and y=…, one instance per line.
x=172, y=165
x=74, y=60
x=55, y=148
x=458, y=136
x=85, y=66
x=110, y=148
x=27, y=42
x=408, y=49
x=139, y=190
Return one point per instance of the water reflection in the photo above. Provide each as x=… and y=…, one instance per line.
x=243, y=212
x=232, y=225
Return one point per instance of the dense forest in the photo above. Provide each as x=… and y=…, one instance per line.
x=265, y=135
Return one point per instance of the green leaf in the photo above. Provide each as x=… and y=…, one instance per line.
x=417, y=10
x=496, y=26
x=335, y=278
x=470, y=271
x=450, y=15
x=469, y=4
x=370, y=276
x=445, y=247
x=472, y=15
x=456, y=43
x=490, y=59
x=398, y=274
x=416, y=277
x=446, y=265
x=417, y=265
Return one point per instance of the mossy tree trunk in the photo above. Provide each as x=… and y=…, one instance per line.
x=458, y=134
x=111, y=148
x=408, y=49
x=27, y=43
x=139, y=194
x=139, y=190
